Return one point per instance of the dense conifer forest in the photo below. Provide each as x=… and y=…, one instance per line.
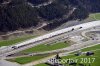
x=16, y=14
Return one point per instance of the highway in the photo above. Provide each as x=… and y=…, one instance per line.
x=63, y=38
x=84, y=26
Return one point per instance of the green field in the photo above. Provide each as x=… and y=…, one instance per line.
x=96, y=55
x=43, y=47
x=95, y=16
x=14, y=41
x=91, y=48
x=24, y=60
x=41, y=65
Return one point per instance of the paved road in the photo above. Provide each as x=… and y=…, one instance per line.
x=86, y=26
x=84, y=32
x=68, y=49
x=7, y=63
x=58, y=39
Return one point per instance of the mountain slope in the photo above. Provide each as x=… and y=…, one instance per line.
x=16, y=14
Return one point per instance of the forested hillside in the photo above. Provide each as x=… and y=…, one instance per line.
x=16, y=14
x=36, y=2
x=92, y=6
